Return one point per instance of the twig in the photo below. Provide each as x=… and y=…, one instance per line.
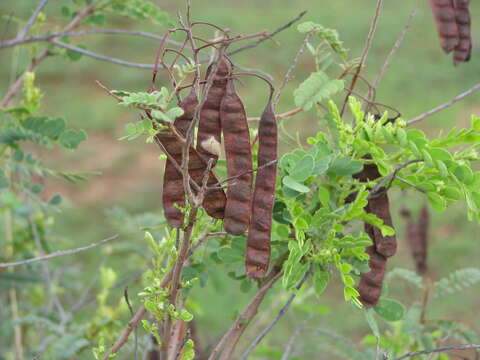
x=23, y=32
x=58, y=254
x=125, y=295
x=47, y=37
x=395, y=48
x=280, y=116
x=288, y=74
x=366, y=49
x=280, y=314
x=442, y=349
x=259, y=41
x=379, y=188
x=231, y=337
x=444, y=106
x=270, y=163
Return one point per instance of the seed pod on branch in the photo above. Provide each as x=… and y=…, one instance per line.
x=417, y=237
x=173, y=191
x=238, y=153
x=463, y=49
x=259, y=232
x=370, y=286
x=209, y=127
x=445, y=18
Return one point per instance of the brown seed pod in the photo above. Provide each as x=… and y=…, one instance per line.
x=258, y=243
x=370, y=286
x=445, y=18
x=239, y=162
x=463, y=49
x=417, y=237
x=153, y=354
x=379, y=206
x=209, y=127
x=173, y=191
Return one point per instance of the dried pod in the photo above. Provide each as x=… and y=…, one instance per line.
x=259, y=232
x=417, y=237
x=463, y=49
x=209, y=127
x=173, y=191
x=370, y=286
x=445, y=18
x=153, y=354
x=239, y=162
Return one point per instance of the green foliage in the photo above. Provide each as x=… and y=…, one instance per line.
x=329, y=36
x=456, y=282
x=316, y=88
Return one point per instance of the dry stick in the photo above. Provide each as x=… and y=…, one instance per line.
x=58, y=253
x=16, y=41
x=280, y=116
x=280, y=314
x=231, y=337
x=366, y=49
x=259, y=41
x=288, y=74
x=44, y=54
x=23, y=32
x=444, y=106
x=442, y=349
x=395, y=48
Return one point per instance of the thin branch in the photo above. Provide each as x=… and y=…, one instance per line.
x=282, y=115
x=379, y=188
x=437, y=350
x=366, y=49
x=270, y=163
x=445, y=105
x=23, y=32
x=47, y=37
x=272, y=34
x=280, y=314
x=231, y=337
x=58, y=253
x=288, y=74
x=395, y=48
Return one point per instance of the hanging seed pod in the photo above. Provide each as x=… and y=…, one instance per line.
x=173, y=191
x=209, y=127
x=463, y=49
x=379, y=206
x=259, y=232
x=370, y=286
x=239, y=162
x=417, y=237
x=445, y=18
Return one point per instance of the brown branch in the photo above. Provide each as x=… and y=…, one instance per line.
x=437, y=350
x=233, y=334
x=58, y=253
x=22, y=33
x=444, y=106
x=277, y=318
x=280, y=116
x=366, y=49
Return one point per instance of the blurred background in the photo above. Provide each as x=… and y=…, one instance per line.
x=130, y=174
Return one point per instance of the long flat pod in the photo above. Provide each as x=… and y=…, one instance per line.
x=445, y=18
x=209, y=127
x=173, y=191
x=370, y=286
x=463, y=49
x=259, y=232
x=239, y=162
x=173, y=195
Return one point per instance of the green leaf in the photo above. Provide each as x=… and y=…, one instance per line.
x=72, y=138
x=55, y=200
x=372, y=323
x=185, y=315
x=464, y=174
x=316, y=88
x=390, y=310
x=75, y=55
x=321, y=278
x=437, y=201
x=291, y=183
x=303, y=169
x=345, y=166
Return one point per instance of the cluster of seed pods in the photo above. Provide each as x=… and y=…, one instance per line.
x=245, y=206
x=417, y=237
x=453, y=25
x=370, y=286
